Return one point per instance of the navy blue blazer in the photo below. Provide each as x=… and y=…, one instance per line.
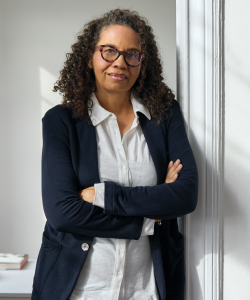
x=70, y=164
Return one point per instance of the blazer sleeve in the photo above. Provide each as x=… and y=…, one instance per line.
x=63, y=208
x=148, y=224
x=163, y=201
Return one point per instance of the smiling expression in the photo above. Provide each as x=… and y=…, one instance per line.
x=116, y=76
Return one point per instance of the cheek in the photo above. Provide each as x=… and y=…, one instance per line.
x=99, y=64
x=135, y=72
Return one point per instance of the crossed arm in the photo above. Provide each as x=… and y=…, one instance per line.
x=125, y=207
x=88, y=194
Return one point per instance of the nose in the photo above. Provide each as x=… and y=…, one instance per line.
x=120, y=62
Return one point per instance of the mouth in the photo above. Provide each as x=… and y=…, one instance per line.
x=117, y=77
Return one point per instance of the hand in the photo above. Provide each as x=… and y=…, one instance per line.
x=173, y=170
x=172, y=173
x=87, y=194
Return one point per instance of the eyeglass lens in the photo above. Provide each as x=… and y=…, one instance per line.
x=132, y=57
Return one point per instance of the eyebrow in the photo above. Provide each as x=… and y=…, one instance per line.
x=130, y=49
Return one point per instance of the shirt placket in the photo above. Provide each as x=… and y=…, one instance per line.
x=120, y=255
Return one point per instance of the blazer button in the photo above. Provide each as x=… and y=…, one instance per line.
x=85, y=247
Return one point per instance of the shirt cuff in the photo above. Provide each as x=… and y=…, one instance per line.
x=99, y=194
x=148, y=227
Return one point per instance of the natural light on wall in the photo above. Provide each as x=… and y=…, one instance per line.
x=48, y=98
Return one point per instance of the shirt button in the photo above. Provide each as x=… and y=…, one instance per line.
x=124, y=168
x=120, y=251
x=85, y=247
x=119, y=273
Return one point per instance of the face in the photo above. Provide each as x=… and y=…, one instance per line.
x=117, y=76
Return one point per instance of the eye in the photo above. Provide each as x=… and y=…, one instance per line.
x=133, y=54
x=109, y=50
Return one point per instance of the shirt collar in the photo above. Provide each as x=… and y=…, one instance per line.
x=99, y=113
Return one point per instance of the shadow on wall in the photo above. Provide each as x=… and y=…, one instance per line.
x=235, y=197
x=236, y=194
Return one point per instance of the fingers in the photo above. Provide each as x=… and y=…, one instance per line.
x=175, y=166
x=173, y=170
x=87, y=194
x=170, y=164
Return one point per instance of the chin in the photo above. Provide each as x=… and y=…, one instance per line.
x=118, y=88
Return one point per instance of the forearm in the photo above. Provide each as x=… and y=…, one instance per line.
x=85, y=219
x=99, y=192
x=165, y=201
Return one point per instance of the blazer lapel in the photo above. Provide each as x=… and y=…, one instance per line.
x=157, y=146
x=87, y=139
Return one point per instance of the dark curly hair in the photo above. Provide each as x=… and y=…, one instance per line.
x=77, y=80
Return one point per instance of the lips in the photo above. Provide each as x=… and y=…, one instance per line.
x=118, y=77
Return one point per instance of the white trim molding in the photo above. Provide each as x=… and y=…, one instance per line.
x=199, y=27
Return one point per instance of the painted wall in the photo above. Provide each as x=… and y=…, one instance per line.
x=35, y=36
x=236, y=204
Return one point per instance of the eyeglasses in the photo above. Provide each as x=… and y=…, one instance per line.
x=110, y=54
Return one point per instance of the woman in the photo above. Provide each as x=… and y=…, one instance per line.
x=112, y=177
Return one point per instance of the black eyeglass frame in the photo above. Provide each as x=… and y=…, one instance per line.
x=141, y=55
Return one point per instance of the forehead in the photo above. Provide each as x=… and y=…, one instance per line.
x=120, y=36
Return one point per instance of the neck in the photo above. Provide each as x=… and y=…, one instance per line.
x=117, y=103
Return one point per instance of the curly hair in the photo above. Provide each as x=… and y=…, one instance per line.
x=77, y=80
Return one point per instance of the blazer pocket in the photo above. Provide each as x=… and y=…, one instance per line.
x=47, y=258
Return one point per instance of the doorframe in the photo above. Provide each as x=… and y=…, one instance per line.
x=200, y=92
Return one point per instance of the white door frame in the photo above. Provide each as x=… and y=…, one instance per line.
x=199, y=27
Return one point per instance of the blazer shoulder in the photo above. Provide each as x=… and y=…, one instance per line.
x=171, y=111
x=174, y=106
x=57, y=112
x=60, y=116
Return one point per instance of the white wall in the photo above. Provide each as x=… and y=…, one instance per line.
x=35, y=36
x=236, y=202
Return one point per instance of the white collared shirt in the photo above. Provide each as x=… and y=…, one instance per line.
x=119, y=269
